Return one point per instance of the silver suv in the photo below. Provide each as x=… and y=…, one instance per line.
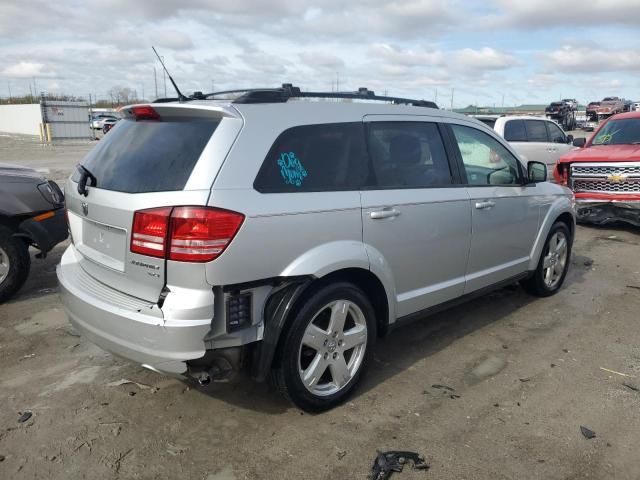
x=283, y=236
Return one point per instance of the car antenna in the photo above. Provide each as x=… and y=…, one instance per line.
x=181, y=97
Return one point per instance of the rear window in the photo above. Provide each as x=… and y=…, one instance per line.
x=514, y=131
x=315, y=158
x=148, y=156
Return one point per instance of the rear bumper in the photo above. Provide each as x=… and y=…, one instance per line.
x=602, y=212
x=127, y=326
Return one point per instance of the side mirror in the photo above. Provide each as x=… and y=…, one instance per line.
x=537, y=172
x=579, y=142
x=569, y=138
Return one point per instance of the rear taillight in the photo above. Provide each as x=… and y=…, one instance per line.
x=149, y=232
x=185, y=234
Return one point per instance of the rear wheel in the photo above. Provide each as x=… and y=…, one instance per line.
x=325, y=351
x=554, y=263
x=14, y=264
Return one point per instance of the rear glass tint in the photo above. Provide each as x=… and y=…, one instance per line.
x=148, y=156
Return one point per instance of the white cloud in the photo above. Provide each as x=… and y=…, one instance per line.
x=483, y=59
x=173, y=39
x=26, y=70
x=540, y=14
x=588, y=60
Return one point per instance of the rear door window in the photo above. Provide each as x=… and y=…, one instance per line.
x=148, y=156
x=315, y=158
x=536, y=131
x=407, y=155
x=514, y=131
x=555, y=134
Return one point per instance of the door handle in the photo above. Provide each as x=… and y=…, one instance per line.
x=388, y=212
x=485, y=205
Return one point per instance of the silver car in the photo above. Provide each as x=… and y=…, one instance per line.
x=284, y=236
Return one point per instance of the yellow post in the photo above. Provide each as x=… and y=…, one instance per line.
x=41, y=133
x=48, y=133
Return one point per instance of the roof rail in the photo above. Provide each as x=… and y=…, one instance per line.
x=287, y=91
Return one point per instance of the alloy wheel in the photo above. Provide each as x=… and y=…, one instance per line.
x=555, y=260
x=332, y=348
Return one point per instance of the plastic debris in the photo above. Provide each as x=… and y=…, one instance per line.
x=443, y=387
x=587, y=433
x=632, y=386
x=25, y=416
x=386, y=463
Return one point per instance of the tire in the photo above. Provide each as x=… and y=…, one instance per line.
x=553, y=264
x=14, y=264
x=313, y=349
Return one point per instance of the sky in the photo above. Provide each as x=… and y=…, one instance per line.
x=458, y=52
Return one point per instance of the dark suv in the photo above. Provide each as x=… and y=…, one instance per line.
x=31, y=214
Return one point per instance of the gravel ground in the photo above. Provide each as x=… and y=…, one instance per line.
x=527, y=373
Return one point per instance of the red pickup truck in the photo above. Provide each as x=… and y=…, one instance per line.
x=604, y=173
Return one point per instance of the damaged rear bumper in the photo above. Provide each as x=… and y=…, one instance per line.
x=602, y=212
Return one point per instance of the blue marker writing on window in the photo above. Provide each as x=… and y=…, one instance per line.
x=291, y=169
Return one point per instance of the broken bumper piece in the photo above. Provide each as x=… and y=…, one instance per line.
x=602, y=213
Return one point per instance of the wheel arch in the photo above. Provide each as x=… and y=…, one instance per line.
x=561, y=210
x=285, y=300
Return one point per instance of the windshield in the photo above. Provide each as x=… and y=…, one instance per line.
x=619, y=132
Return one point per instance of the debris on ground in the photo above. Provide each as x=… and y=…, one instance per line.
x=523, y=380
x=588, y=262
x=126, y=381
x=587, y=433
x=443, y=387
x=386, y=463
x=446, y=390
x=617, y=373
x=632, y=386
x=25, y=416
x=341, y=454
x=634, y=286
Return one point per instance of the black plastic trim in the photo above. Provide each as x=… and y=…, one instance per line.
x=421, y=314
x=276, y=312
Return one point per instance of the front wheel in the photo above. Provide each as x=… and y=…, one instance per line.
x=554, y=263
x=14, y=264
x=325, y=351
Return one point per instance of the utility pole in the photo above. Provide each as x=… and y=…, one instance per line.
x=155, y=80
x=337, y=81
x=9, y=85
x=213, y=86
x=503, y=100
x=452, y=90
x=142, y=92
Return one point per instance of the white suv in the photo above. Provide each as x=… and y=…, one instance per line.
x=534, y=138
x=285, y=236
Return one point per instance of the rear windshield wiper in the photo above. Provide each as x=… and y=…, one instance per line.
x=85, y=175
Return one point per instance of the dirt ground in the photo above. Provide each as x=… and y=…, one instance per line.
x=527, y=373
